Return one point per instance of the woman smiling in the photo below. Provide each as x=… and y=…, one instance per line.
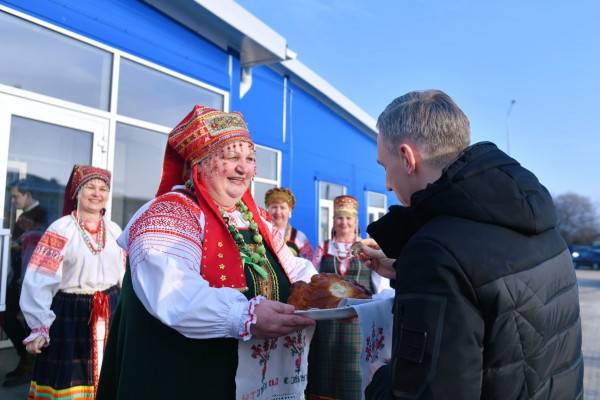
x=202, y=312
x=280, y=202
x=70, y=287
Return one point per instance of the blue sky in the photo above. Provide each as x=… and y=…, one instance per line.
x=545, y=54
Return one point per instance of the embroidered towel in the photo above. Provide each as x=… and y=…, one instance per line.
x=273, y=369
x=376, y=323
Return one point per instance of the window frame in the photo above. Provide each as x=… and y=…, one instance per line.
x=111, y=114
x=267, y=181
x=378, y=211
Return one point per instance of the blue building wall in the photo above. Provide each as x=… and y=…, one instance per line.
x=325, y=147
x=319, y=144
x=262, y=107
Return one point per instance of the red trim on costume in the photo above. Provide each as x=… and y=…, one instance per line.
x=218, y=259
x=99, y=316
x=47, y=255
x=248, y=322
x=265, y=214
x=44, y=330
x=170, y=214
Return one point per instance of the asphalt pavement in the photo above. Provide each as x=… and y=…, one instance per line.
x=589, y=300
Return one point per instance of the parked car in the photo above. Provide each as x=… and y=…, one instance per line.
x=585, y=256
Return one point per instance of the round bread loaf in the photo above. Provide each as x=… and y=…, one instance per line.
x=325, y=291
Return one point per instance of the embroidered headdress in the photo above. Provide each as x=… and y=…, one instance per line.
x=203, y=131
x=345, y=205
x=280, y=195
x=81, y=175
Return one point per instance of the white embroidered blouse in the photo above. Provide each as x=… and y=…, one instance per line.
x=165, y=257
x=62, y=261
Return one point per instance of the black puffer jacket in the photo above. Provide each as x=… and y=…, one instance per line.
x=487, y=304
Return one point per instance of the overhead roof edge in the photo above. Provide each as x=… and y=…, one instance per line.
x=229, y=25
x=300, y=71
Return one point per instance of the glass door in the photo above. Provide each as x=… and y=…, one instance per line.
x=39, y=144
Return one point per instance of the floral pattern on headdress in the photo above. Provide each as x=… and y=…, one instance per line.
x=80, y=175
x=345, y=205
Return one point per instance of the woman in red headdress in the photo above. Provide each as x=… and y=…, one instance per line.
x=202, y=311
x=71, y=284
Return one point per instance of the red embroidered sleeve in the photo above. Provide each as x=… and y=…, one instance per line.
x=47, y=255
x=170, y=225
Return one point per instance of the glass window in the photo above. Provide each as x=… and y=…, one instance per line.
x=43, y=155
x=267, y=173
x=137, y=169
x=376, y=206
x=260, y=189
x=40, y=159
x=150, y=95
x=325, y=221
x=330, y=190
x=266, y=163
x=376, y=200
x=49, y=63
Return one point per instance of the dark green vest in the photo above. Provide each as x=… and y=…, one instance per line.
x=145, y=359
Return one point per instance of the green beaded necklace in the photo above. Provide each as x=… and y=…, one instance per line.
x=257, y=259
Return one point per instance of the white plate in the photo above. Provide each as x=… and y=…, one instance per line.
x=328, y=313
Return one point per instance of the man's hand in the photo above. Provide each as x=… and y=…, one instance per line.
x=35, y=346
x=376, y=259
x=274, y=319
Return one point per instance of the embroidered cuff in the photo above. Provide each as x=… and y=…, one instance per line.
x=249, y=318
x=43, y=331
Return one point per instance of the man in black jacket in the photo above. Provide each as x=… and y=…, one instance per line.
x=486, y=300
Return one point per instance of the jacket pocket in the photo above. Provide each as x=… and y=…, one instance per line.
x=419, y=325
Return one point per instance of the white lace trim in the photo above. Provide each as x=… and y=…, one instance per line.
x=249, y=318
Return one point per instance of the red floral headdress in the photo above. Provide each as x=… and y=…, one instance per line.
x=198, y=135
x=81, y=175
x=202, y=132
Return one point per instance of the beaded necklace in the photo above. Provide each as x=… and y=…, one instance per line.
x=341, y=261
x=255, y=258
x=100, y=236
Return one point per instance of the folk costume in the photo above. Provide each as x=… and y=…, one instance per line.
x=195, y=275
x=70, y=286
x=334, y=371
x=294, y=238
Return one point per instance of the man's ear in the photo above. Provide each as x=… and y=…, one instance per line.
x=409, y=155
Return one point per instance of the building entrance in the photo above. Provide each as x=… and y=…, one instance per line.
x=39, y=144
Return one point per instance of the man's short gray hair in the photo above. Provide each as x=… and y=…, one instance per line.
x=430, y=119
